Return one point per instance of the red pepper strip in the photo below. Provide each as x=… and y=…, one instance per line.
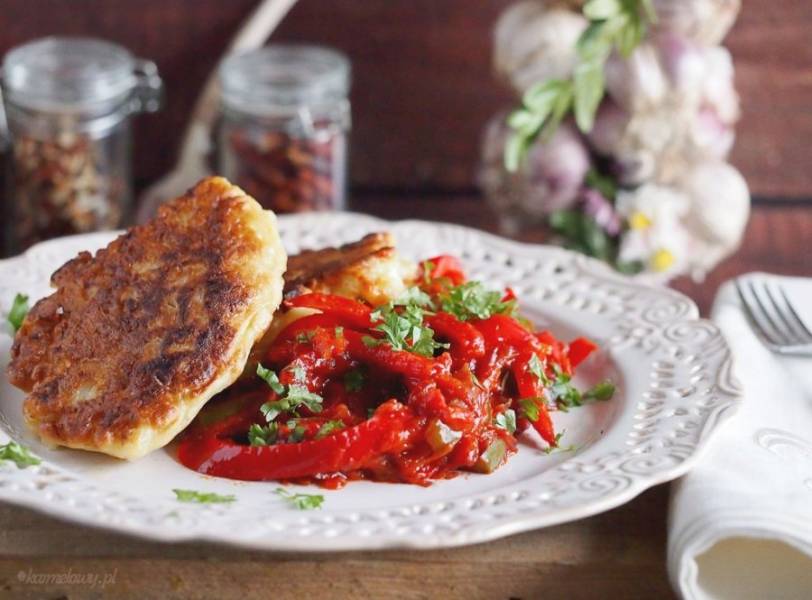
x=489, y=370
x=467, y=342
x=579, y=349
x=390, y=430
x=352, y=311
x=444, y=266
x=501, y=329
x=556, y=350
x=530, y=389
x=413, y=367
x=309, y=323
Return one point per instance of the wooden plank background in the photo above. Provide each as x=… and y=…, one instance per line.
x=422, y=80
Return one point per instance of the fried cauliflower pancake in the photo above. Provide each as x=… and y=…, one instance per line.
x=369, y=269
x=135, y=340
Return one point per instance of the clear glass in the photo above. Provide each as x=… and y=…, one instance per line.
x=67, y=105
x=283, y=135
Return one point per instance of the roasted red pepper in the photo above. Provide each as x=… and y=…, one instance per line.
x=384, y=413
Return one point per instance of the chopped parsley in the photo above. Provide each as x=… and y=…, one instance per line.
x=566, y=396
x=428, y=267
x=506, y=421
x=556, y=447
x=259, y=435
x=354, y=380
x=339, y=332
x=292, y=396
x=19, y=455
x=301, y=501
x=329, y=427
x=530, y=408
x=600, y=392
x=404, y=329
x=537, y=369
x=303, y=337
x=271, y=379
x=203, y=497
x=19, y=308
x=472, y=300
x=298, y=431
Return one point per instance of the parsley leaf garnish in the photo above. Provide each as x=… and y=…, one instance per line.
x=600, y=392
x=203, y=497
x=537, y=369
x=19, y=455
x=404, y=329
x=19, y=308
x=259, y=435
x=291, y=396
x=472, y=300
x=556, y=447
x=530, y=408
x=566, y=396
x=506, y=421
x=271, y=379
x=428, y=267
x=354, y=380
x=301, y=501
x=329, y=427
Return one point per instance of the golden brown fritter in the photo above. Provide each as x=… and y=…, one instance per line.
x=122, y=356
x=369, y=269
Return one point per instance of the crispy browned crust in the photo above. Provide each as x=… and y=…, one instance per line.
x=311, y=270
x=132, y=336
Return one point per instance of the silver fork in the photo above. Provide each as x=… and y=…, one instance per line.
x=773, y=316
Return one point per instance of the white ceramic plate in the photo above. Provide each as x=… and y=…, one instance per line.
x=674, y=388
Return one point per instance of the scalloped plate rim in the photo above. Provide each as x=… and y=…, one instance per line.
x=475, y=533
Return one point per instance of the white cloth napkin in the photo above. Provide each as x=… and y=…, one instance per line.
x=740, y=523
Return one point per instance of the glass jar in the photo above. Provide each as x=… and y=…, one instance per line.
x=67, y=106
x=284, y=128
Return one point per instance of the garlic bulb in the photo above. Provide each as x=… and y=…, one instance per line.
x=719, y=209
x=636, y=82
x=534, y=42
x=549, y=179
x=703, y=21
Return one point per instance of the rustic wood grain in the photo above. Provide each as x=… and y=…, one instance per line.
x=423, y=86
x=620, y=554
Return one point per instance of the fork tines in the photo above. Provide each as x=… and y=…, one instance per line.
x=772, y=314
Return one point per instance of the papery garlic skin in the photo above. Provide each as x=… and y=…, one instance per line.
x=718, y=214
x=706, y=22
x=549, y=178
x=534, y=43
x=636, y=82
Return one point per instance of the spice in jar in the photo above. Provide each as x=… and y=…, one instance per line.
x=68, y=103
x=283, y=136
x=59, y=189
x=289, y=174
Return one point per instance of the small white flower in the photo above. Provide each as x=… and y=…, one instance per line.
x=656, y=236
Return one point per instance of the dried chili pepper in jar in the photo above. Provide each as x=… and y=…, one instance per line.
x=286, y=119
x=67, y=102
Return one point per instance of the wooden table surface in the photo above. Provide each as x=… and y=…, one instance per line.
x=619, y=554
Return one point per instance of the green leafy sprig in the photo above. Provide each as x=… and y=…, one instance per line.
x=19, y=309
x=401, y=323
x=19, y=455
x=613, y=24
x=301, y=501
x=203, y=497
